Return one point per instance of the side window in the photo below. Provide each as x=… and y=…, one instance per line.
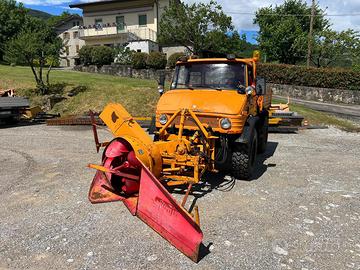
x=250, y=75
x=182, y=76
x=142, y=20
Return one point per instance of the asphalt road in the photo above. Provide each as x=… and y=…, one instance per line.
x=350, y=112
x=300, y=212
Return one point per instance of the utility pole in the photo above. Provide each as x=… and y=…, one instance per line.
x=310, y=38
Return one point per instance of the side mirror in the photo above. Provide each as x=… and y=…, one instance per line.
x=161, y=83
x=260, y=86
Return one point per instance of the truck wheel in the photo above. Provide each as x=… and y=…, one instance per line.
x=152, y=127
x=263, y=136
x=12, y=120
x=243, y=159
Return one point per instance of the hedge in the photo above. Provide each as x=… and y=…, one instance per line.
x=96, y=55
x=156, y=60
x=102, y=55
x=174, y=58
x=138, y=60
x=85, y=55
x=335, y=78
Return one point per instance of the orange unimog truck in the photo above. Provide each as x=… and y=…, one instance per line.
x=214, y=117
x=229, y=100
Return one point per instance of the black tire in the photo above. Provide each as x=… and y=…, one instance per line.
x=263, y=135
x=12, y=120
x=243, y=159
x=152, y=127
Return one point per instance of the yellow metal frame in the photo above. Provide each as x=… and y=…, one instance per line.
x=175, y=151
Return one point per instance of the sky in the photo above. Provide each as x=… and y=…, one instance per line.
x=347, y=12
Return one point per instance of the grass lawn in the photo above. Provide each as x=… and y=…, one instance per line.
x=138, y=96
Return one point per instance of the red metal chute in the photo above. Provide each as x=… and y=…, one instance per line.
x=123, y=177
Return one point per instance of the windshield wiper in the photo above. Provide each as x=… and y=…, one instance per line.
x=214, y=87
x=207, y=86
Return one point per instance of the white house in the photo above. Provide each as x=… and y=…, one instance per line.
x=131, y=23
x=69, y=31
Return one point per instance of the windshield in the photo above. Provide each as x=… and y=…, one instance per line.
x=209, y=75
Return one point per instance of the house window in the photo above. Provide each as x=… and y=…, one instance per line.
x=67, y=50
x=142, y=20
x=98, y=23
x=77, y=48
x=66, y=35
x=76, y=34
x=74, y=24
x=138, y=50
x=120, y=23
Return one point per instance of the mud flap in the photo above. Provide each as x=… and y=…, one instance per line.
x=155, y=206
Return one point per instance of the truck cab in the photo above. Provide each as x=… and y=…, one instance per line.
x=229, y=99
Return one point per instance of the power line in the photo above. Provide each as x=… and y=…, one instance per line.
x=293, y=15
x=313, y=7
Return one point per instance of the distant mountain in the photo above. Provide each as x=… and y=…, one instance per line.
x=39, y=14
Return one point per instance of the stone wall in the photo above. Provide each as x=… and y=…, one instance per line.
x=126, y=71
x=308, y=93
x=316, y=94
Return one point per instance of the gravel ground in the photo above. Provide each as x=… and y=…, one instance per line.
x=300, y=212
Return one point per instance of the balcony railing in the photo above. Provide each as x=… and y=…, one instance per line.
x=132, y=33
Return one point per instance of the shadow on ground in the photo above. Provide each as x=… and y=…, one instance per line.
x=260, y=166
x=5, y=125
x=224, y=183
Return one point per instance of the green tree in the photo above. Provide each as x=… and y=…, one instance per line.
x=284, y=30
x=331, y=47
x=54, y=20
x=37, y=46
x=197, y=26
x=238, y=45
x=12, y=18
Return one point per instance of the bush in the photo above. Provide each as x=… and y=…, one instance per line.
x=313, y=77
x=138, y=60
x=156, y=60
x=356, y=67
x=85, y=55
x=102, y=55
x=174, y=58
x=123, y=55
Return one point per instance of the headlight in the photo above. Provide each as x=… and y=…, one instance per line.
x=163, y=119
x=225, y=123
